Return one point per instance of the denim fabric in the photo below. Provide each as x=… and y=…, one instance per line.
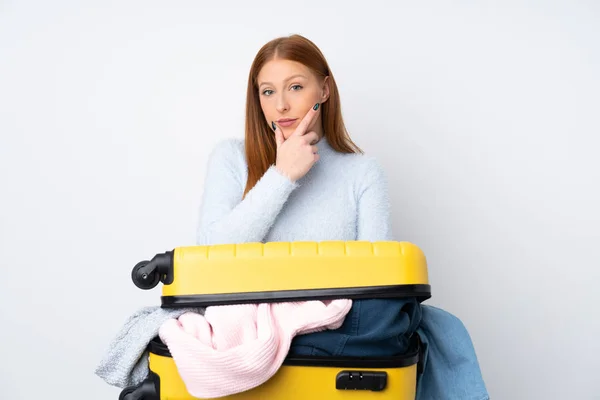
x=372, y=328
x=383, y=327
x=451, y=370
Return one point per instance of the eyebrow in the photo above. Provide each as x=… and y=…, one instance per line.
x=288, y=79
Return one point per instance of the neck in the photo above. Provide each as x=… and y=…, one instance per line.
x=324, y=146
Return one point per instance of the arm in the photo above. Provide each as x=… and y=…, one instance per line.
x=374, y=216
x=224, y=216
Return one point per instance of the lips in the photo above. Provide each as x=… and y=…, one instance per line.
x=286, y=121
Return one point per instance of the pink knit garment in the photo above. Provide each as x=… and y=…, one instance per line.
x=234, y=348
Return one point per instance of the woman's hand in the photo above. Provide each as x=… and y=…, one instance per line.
x=297, y=154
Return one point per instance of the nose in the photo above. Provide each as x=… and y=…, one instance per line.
x=282, y=104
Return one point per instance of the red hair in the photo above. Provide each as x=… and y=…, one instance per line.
x=259, y=138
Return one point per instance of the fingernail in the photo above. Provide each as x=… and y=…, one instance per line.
x=273, y=126
x=316, y=107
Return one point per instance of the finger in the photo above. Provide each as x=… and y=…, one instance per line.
x=278, y=135
x=307, y=120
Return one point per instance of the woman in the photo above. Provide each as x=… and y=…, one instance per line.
x=298, y=176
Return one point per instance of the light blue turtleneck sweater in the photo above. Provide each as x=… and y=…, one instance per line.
x=342, y=197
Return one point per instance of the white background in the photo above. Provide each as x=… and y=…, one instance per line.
x=485, y=116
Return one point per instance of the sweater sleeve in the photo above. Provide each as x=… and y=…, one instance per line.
x=224, y=217
x=374, y=215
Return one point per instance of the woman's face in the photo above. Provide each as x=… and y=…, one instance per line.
x=287, y=91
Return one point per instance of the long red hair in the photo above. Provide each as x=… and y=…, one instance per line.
x=259, y=138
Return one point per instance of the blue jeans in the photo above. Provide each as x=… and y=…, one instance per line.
x=383, y=327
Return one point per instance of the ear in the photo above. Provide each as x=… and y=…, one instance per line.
x=325, y=90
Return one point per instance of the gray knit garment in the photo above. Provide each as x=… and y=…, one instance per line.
x=125, y=363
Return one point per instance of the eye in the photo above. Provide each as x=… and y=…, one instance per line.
x=296, y=86
x=267, y=92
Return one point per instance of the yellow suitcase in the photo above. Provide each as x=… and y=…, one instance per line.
x=198, y=276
